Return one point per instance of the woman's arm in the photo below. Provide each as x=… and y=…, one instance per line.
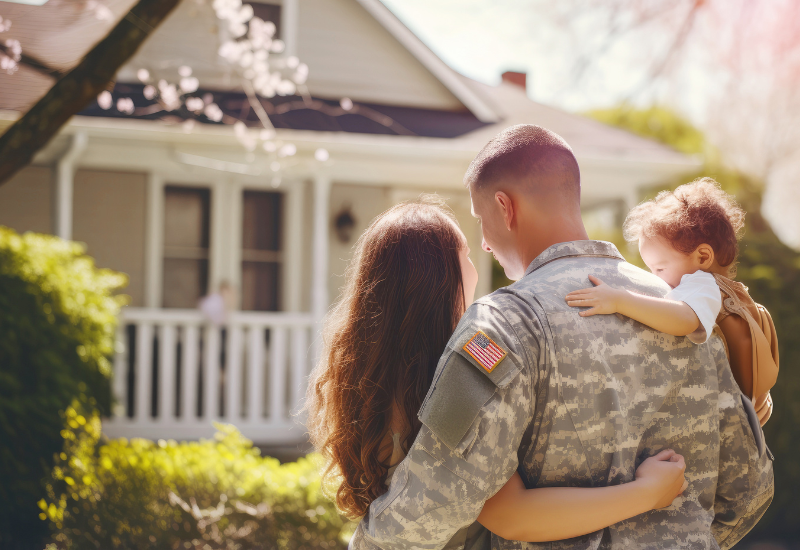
x=661, y=314
x=555, y=513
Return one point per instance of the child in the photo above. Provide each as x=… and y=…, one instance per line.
x=689, y=238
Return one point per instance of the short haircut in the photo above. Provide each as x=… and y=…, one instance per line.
x=529, y=156
x=695, y=213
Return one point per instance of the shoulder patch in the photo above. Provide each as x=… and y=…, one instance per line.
x=485, y=351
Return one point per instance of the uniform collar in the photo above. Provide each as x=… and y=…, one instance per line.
x=574, y=248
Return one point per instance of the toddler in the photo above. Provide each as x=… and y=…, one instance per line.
x=689, y=238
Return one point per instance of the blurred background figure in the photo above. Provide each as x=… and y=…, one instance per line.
x=217, y=305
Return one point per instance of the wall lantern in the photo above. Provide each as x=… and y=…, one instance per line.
x=344, y=223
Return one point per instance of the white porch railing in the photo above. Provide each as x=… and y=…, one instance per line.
x=175, y=374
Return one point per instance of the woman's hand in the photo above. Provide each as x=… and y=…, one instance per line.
x=661, y=477
x=601, y=298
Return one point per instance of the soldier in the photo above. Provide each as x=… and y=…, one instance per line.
x=526, y=384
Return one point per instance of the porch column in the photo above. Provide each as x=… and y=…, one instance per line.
x=154, y=247
x=289, y=25
x=293, y=246
x=319, y=265
x=65, y=174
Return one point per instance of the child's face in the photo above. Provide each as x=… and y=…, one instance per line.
x=666, y=262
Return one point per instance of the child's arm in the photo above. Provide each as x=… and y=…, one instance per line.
x=661, y=314
x=555, y=513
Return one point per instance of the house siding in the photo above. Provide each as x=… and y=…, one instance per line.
x=26, y=200
x=109, y=216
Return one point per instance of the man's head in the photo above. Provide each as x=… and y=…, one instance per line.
x=525, y=187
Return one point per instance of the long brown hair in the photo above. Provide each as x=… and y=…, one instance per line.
x=402, y=299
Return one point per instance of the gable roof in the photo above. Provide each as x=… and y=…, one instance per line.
x=482, y=110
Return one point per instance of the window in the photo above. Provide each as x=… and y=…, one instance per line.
x=268, y=12
x=261, y=250
x=186, y=245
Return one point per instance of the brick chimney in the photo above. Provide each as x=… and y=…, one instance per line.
x=516, y=78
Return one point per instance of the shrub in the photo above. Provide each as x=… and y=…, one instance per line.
x=57, y=320
x=210, y=494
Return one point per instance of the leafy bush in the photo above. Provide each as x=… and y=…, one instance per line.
x=210, y=494
x=57, y=320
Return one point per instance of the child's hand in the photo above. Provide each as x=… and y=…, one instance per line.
x=662, y=477
x=601, y=298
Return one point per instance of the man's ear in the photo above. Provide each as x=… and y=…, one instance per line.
x=506, y=208
x=705, y=254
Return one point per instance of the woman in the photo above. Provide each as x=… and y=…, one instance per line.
x=406, y=288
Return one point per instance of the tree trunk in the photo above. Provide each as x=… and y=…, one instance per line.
x=79, y=87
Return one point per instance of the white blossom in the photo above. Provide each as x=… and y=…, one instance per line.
x=322, y=155
x=346, y=103
x=213, y=112
x=100, y=10
x=125, y=105
x=104, y=100
x=149, y=92
x=189, y=84
x=195, y=104
x=143, y=75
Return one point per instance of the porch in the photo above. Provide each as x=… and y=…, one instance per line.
x=175, y=374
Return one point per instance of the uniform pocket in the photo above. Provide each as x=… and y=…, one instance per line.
x=453, y=403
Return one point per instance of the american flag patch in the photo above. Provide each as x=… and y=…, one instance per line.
x=484, y=351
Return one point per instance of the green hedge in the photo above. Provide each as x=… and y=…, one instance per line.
x=57, y=320
x=210, y=494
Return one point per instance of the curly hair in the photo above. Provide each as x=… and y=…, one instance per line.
x=382, y=340
x=695, y=213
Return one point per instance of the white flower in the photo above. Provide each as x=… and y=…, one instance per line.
x=189, y=84
x=125, y=105
x=195, y=104
x=185, y=70
x=104, y=100
x=149, y=92
x=143, y=75
x=346, y=103
x=213, y=112
x=322, y=155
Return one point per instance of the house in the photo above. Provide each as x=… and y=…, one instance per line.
x=182, y=207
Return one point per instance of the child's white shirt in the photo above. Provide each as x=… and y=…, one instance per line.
x=699, y=291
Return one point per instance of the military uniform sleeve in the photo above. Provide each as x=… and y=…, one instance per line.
x=745, y=484
x=474, y=417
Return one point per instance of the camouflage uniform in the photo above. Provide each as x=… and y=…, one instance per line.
x=577, y=402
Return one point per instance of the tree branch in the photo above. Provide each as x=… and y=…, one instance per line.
x=80, y=86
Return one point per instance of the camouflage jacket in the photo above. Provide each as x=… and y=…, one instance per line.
x=575, y=402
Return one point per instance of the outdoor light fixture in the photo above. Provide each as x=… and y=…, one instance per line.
x=344, y=222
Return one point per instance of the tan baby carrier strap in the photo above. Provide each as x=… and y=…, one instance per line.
x=758, y=375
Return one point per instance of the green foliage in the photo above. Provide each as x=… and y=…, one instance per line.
x=772, y=272
x=57, y=321
x=657, y=123
x=210, y=494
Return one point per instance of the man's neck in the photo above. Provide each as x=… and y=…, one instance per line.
x=549, y=234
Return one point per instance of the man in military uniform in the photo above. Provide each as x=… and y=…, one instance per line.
x=527, y=384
